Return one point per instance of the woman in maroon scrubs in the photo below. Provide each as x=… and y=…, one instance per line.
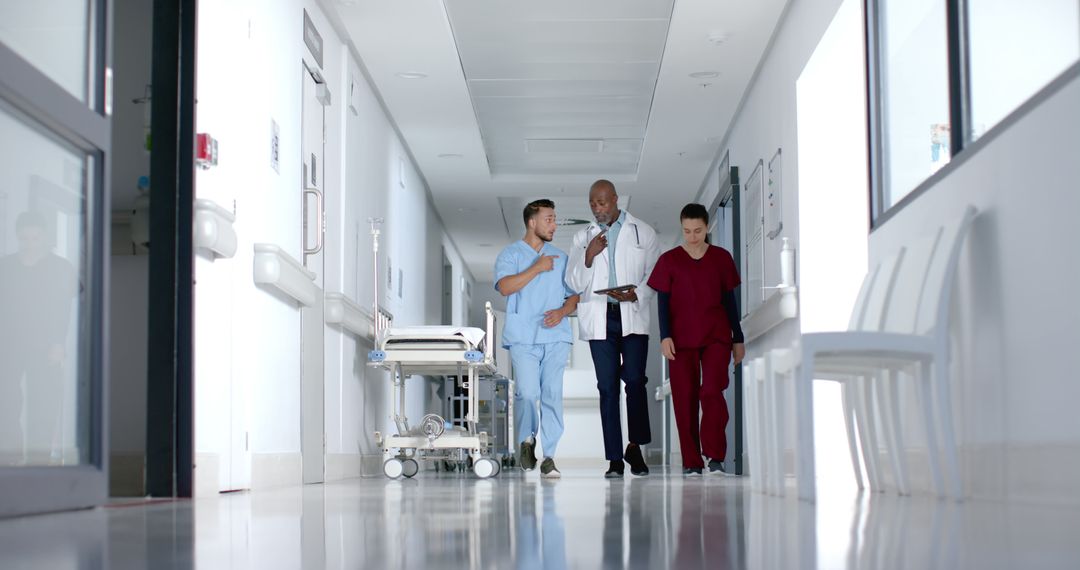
x=699, y=328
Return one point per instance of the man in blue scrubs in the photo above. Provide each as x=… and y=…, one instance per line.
x=531, y=274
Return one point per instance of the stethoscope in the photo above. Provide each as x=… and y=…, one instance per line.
x=637, y=237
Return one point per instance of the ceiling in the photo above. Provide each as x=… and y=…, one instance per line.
x=521, y=100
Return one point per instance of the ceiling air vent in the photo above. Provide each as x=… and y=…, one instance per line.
x=564, y=145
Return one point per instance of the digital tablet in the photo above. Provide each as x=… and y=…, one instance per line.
x=619, y=289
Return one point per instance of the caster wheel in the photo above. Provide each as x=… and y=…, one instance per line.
x=410, y=467
x=485, y=468
x=393, y=468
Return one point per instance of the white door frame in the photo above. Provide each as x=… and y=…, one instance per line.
x=313, y=324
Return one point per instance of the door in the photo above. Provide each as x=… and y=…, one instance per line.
x=723, y=232
x=312, y=324
x=447, y=290
x=54, y=144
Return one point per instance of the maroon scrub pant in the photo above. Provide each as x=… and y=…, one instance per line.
x=698, y=378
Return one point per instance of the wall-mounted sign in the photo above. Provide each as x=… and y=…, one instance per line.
x=275, y=146
x=313, y=39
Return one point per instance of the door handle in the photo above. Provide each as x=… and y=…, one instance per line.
x=320, y=216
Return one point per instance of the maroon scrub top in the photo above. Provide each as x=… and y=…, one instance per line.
x=698, y=317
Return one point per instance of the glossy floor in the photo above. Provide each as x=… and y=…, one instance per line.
x=580, y=521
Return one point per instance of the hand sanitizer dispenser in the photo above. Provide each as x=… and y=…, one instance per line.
x=787, y=264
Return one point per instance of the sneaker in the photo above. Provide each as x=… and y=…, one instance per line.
x=548, y=469
x=527, y=454
x=716, y=467
x=634, y=458
x=615, y=470
x=692, y=472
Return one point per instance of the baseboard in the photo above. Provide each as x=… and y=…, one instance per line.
x=127, y=474
x=270, y=470
x=207, y=474
x=1043, y=474
x=596, y=463
x=1047, y=474
x=344, y=466
x=371, y=465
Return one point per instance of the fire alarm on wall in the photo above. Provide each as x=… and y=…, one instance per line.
x=206, y=151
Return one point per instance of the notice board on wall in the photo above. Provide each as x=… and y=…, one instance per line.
x=753, y=238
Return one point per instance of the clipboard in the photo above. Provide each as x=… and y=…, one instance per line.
x=620, y=289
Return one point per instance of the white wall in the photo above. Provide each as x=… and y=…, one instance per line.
x=766, y=122
x=248, y=338
x=772, y=118
x=1015, y=319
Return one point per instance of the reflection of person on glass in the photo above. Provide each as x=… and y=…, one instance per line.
x=699, y=325
x=36, y=289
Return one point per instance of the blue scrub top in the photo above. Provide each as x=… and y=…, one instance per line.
x=525, y=309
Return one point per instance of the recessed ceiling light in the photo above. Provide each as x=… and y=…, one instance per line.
x=483, y=245
x=412, y=75
x=571, y=222
x=450, y=155
x=717, y=37
x=704, y=74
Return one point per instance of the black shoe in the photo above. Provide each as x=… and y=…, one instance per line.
x=615, y=470
x=548, y=469
x=716, y=467
x=527, y=455
x=634, y=458
x=692, y=472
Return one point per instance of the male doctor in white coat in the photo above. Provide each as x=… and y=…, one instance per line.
x=616, y=253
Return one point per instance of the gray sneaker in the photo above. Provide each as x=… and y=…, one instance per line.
x=527, y=454
x=548, y=469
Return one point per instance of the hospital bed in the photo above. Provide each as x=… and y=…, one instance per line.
x=465, y=352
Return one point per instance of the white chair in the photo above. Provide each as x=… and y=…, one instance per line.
x=914, y=339
x=866, y=314
x=753, y=377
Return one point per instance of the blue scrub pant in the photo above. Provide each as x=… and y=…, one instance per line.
x=538, y=380
x=621, y=357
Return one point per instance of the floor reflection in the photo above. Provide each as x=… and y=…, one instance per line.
x=581, y=521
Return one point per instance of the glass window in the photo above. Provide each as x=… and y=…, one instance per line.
x=1016, y=48
x=914, y=88
x=54, y=36
x=44, y=310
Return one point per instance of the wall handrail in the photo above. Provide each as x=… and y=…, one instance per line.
x=272, y=266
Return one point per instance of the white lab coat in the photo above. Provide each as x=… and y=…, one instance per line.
x=635, y=256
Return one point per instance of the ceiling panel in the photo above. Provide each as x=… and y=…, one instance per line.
x=529, y=88
x=500, y=72
x=503, y=10
x=561, y=71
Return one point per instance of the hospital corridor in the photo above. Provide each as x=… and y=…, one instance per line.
x=566, y=284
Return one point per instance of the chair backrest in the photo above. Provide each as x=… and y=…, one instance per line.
x=873, y=310
x=904, y=300
x=860, y=301
x=933, y=313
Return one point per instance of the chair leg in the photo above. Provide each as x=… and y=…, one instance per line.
x=868, y=434
x=944, y=401
x=774, y=404
x=753, y=423
x=849, y=425
x=804, y=427
x=891, y=403
x=922, y=389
